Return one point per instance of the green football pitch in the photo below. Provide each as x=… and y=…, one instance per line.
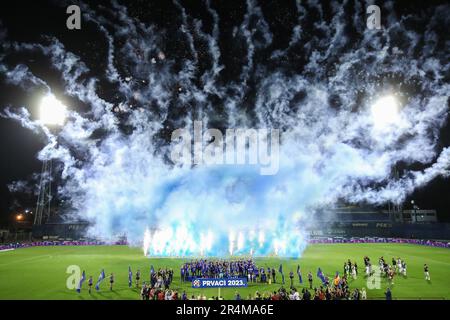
x=41, y=272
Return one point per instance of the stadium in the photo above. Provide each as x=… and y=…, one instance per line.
x=156, y=150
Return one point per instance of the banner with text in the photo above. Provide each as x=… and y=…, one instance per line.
x=219, y=282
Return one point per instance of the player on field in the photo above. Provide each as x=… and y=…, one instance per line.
x=390, y=274
x=310, y=279
x=426, y=272
x=381, y=262
x=144, y=291
x=138, y=277
x=404, y=268
x=385, y=269
x=354, y=271
x=368, y=269
x=111, y=281
x=346, y=268
x=291, y=277
x=130, y=277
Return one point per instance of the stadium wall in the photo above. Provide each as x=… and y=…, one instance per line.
x=439, y=231
x=62, y=231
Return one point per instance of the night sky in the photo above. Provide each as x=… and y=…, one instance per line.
x=40, y=21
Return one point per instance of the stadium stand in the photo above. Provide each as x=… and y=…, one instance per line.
x=343, y=221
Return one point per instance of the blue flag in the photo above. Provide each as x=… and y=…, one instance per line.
x=321, y=275
x=152, y=270
x=100, y=279
x=130, y=277
x=83, y=277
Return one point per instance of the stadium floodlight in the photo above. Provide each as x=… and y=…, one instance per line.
x=385, y=112
x=52, y=111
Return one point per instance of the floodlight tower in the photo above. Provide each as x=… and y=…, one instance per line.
x=394, y=208
x=52, y=113
x=43, y=204
x=385, y=114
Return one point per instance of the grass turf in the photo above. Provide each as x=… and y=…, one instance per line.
x=40, y=272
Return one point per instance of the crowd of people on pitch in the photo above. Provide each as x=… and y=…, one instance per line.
x=161, y=278
x=336, y=289
x=227, y=268
x=160, y=281
x=322, y=293
x=351, y=269
x=397, y=267
x=333, y=288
